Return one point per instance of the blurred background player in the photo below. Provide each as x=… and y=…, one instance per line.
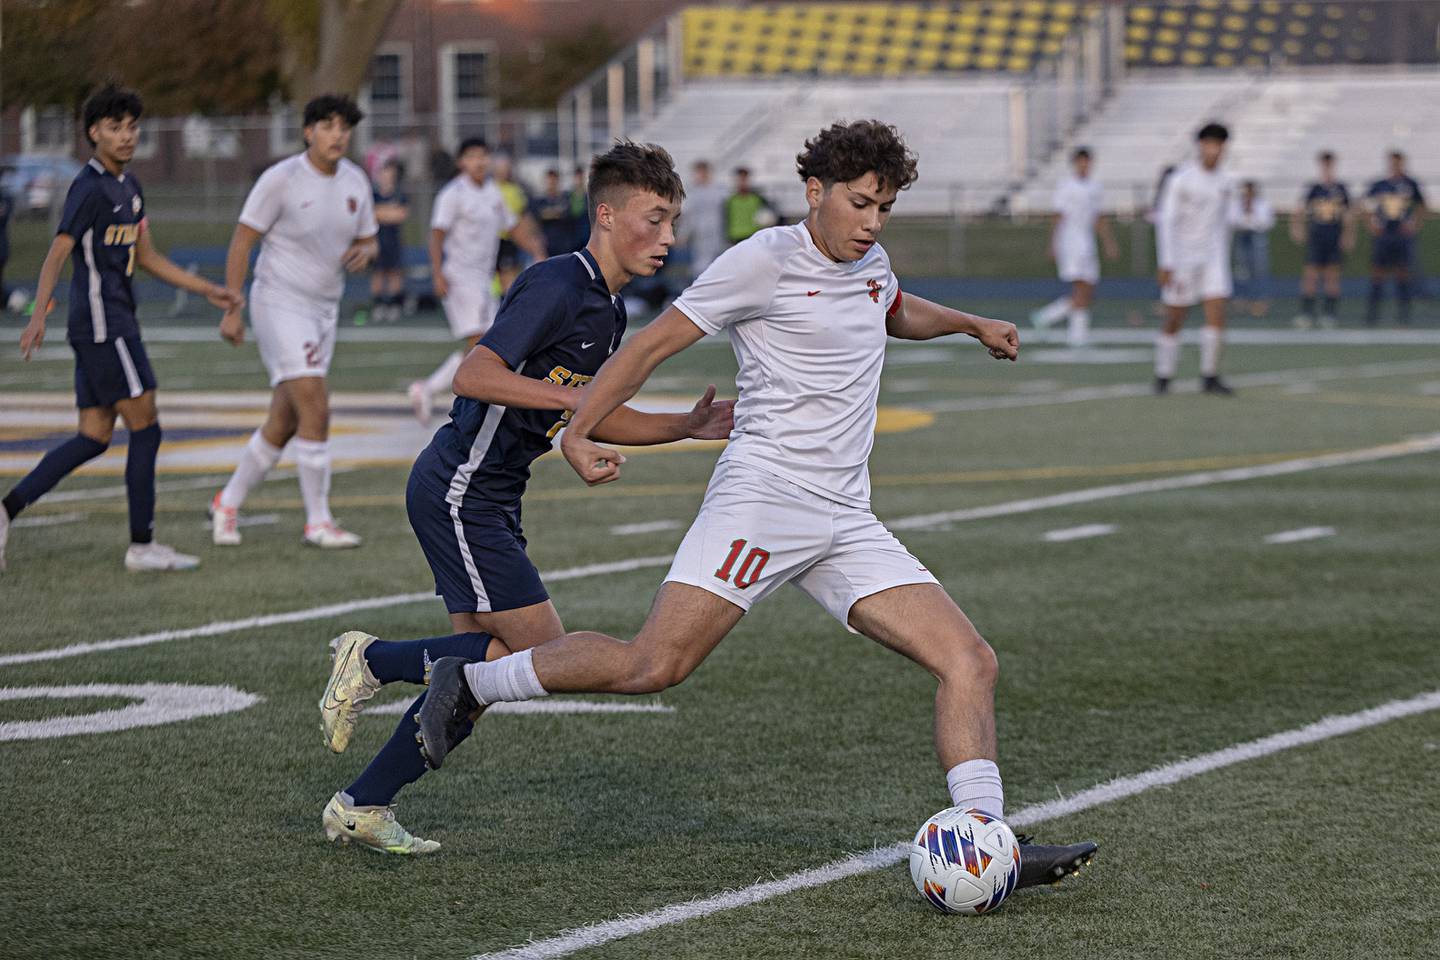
x=106, y=234
x=1396, y=209
x=392, y=209
x=1327, y=230
x=1251, y=220
x=554, y=210
x=580, y=207
x=702, y=229
x=466, y=224
x=524, y=235
x=315, y=216
x=746, y=211
x=1078, y=202
x=1192, y=245
x=7, y=207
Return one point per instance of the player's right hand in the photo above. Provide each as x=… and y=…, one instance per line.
x=594, y=463
x=1164, y=277
x=232, y=327
x=34, y=333
x=442, y=289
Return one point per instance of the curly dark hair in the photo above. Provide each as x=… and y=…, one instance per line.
x=847, y=151
x=110, y=102
x=329, y=105
x=632, y=166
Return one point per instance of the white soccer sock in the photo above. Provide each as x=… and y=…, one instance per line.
x=976, y=783
x=506, y=680
x=1167, y=355
x=1054, y=310
x=1079, y=331
x=312, y=457
x=1210, y=351
x=439, y=381
x=257, y=459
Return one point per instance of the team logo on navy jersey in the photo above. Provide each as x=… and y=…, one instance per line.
x=135, y=204
x=352, y=203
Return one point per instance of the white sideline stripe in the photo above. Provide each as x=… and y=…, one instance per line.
x=192, y=483
x=593, y=936
x=553, y=707
x=48, y=520
x=1079, y=533
x=1205, y=478
x=300, y=616
x=654, y=526
x=1301, y=535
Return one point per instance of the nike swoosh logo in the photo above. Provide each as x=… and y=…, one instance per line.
x=349, y=824
x=587, y=346
x=333, y=702
x=117, y=208
x=306, y=204
x=812, y=293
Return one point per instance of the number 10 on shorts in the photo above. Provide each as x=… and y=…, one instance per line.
x=749, y=570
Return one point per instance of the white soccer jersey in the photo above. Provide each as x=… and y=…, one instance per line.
x=1192, y=224
x=809, y=334
x=473, y=217
x=1078, y=203
x=309, y=220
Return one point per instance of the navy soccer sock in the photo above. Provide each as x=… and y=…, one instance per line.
x=391, y=660
x=51, y=469
x=1307, y=306
x=140, y=482
x=398, y=763
x=1372, y=308
x=1402, y=300
x=1332, y=305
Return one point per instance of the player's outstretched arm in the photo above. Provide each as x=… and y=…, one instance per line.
x=618, y=381
x=437, y=261
x=163, y=268
x=237, y=266
x=709, y=419
x=484, y=376
x=529, y=238
x=919, y=319
x=34, y=333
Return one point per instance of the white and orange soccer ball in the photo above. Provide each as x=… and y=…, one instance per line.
x=965, y=861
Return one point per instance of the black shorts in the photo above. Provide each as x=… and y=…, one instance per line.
x=509, y=256
x=106, y=373
x=1323, y=250
x=1392, y=250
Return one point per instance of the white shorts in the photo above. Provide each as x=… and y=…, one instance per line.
x=1196, y=283
x=756, y=532
x=469, y=308
x=1078, y=263
x=296, y=336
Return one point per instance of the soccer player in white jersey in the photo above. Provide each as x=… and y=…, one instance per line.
x=1078, y=218
x=315, y=214
x=1192, y=245
x=469, y=217
x=807, y=308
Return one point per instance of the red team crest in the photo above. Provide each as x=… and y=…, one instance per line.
x=874, y=286
x=352, y=203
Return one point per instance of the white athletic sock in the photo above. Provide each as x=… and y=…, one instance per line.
x=438, y=383
x=506, y=680
x=1167, y=355
x=1210, y=351
x=1079, y=331
x=976, y=783
x=257, y=459
x=1054, y=310
x=312, y=457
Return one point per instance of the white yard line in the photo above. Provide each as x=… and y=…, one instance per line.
x=1301, y=535
x=1205, y=478
x=654, y=526
x=1085, y=532
x=165, y=486
x=1418, y=445
x=583, y=938
x=550, y=707
x=48, y=520
x=300, y=616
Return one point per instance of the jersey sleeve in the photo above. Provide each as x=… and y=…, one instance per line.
x=892, y=290
x=266, y=201
x=738, y=286
x=368, y=225
x=446, y=209
x=533, y=315
x=82, y=205
x=1165, y=226
x=1419, y=197
x=507, y=217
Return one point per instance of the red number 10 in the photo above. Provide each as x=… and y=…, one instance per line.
x=749, y=570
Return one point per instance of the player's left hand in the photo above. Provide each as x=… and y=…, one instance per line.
x=594, y=463
x=1001, y=338
x=711, y=419
x=34, y=333
x=224, y=298
x=358, y=256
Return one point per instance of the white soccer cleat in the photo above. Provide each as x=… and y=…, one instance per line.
x=420, y=402
x=351, y=684
x=155, y=557
x=224, y=524
x=327, y=536
x=373, y=828
x=4, y=534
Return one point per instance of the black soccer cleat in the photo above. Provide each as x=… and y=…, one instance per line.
x=1216, y=386
x=1162, y=385
x=448, y=708
x=1040, y=863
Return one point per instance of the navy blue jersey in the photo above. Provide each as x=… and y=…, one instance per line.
x=1325, y=208
x=104, y=214
x=556, y=221
x=390, y=231
x=1394, y=200
x=6, y=208
x=559, y=323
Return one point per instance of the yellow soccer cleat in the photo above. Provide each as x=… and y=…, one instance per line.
x=372, y=827
x=351, y=684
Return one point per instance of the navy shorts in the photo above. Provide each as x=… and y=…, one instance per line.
x=508, y=256
x=106, y=373
x=1391, y=250
x=1323, y=250
x=476, y=553
x=388, y=257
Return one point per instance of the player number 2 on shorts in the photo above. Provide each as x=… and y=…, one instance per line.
x=749, y=570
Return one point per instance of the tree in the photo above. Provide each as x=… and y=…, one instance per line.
x=537, y=79
x=326, y=45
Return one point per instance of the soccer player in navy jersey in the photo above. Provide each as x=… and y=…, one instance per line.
x=1326, y=229
x=1396, y=209
x=106, y=234
x=559, y=322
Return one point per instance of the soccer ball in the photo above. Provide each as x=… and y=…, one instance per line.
x=18, y=301
x=965, y=861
